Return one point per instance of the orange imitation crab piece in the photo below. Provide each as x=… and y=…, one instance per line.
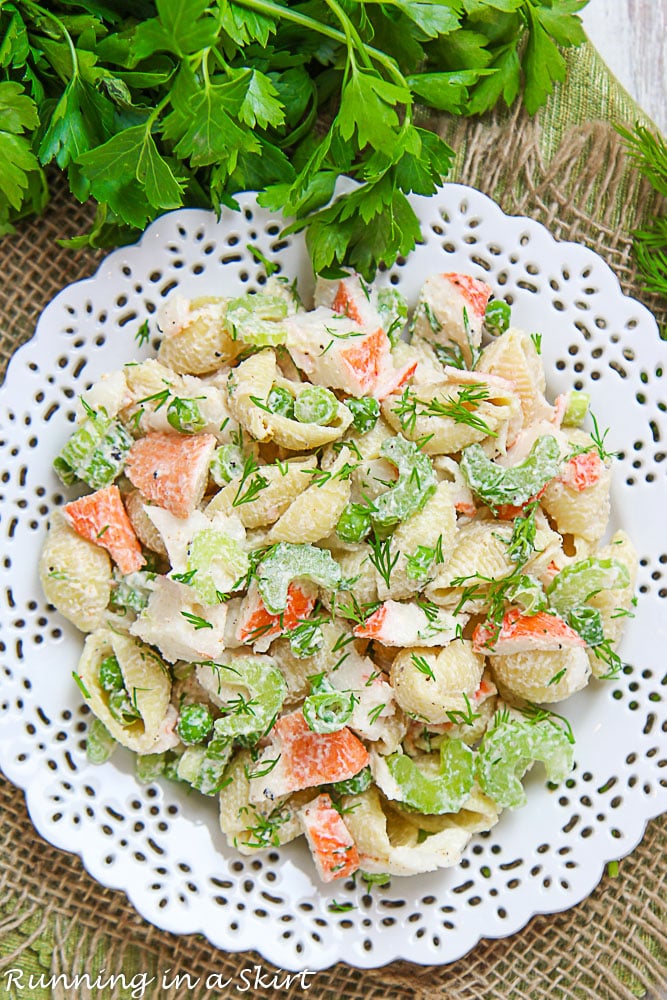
x=582, y=471
x=310, y=759
x=344, y=303
x=261, y=623
x=171, y=469
x=330, y=841
x=520, y=632
x=372, y=627
x=508, y=511
x=101, y=518
x=366, y=360
x=476, y=293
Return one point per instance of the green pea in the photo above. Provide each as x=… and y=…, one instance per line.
x=354, y=523
x=185, y=416
x=497, y=317
x=110, y=676
x=281, y=401
x=195, y=723
x=100, y=744
x=226, y=464
x=365, y=413
x=315, y=405
x=306, y=639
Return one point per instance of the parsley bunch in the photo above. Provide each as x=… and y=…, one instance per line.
x=148, y=106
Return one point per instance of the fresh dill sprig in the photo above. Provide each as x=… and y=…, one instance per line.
x=422, y=665
x=381, y=557
x=256, y=482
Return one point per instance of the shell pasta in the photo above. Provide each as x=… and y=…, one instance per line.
x=333, y=572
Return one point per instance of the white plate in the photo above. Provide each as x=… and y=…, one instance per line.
x=162, y=846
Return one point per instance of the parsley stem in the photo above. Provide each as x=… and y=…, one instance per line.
x=288, y=14
x=63, y=30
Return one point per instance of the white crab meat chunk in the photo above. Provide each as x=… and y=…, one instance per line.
x=349, y=297
x=397, y=623
x=110, y=394
x=208, y=547
x=336, y=351
x=181, y=627
x=451, y=309
x=174, y=315
x=373, y=697
x=167, y=737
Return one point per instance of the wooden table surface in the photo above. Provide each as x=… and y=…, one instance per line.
x=631, y=36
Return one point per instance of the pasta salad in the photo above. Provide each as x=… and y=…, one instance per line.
x=334, y=563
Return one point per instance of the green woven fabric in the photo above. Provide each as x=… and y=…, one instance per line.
x=567, y=169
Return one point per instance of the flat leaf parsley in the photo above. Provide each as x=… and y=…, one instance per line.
x=152, y=105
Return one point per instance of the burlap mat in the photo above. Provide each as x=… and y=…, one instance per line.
x=567, y=170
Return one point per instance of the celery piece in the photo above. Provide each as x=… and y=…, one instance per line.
x=149, y=766
x=216, y=560
x=496, y=485
x=418, y=565
x=355, y=785
x=577, y=582
x=576, y=408
x=416, y=483
x=267, y=689
x=95, y=453
x=202, y=771
x=255, y=319
x=436, y=792
x=587, y=622
x=131, y=592
x=329, y=711
x=122, y=709
x=100, y=744
x=527, y=591
x=288, y=561
x=509, y=749
x=315, y=405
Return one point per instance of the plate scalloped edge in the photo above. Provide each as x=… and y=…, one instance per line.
x=461, y=227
